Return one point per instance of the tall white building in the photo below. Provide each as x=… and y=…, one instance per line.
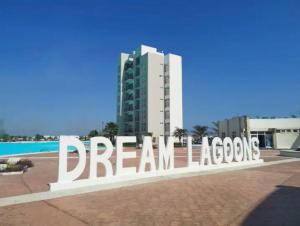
x=149, y=99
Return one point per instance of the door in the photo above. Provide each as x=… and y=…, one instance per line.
x=262, y=143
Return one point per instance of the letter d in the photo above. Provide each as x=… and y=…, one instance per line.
x=64, y=143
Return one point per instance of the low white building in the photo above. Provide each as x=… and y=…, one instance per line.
x=279, y=133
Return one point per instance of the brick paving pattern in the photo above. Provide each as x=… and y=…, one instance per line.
x=268, y=195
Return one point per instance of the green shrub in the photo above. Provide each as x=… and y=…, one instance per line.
x=21, y=165
x=14, y=168
x=178, y=145
x=25, y=162
x=2, y=161
x=129, y=145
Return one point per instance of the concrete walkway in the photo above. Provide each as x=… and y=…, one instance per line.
x=268, y=195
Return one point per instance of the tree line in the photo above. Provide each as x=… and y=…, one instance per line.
x=197, y=133
x=111, y=130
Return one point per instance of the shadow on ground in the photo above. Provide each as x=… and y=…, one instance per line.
x=282, y=208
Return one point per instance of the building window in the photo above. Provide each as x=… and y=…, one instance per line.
x=137, y=71
x=167, y=126
x=233, y=134
x=137, y=126
x=137, y=93
x=137, y=116
x=167, y=103
x=166, y=68
x=137, y=61
x=167, y=115
x=223, y=135
x=137, y=83
x=167, y=78
x=278, y=131
x=137, y=104
x=167, y=91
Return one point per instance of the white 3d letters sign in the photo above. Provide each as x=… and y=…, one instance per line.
x=226, y=153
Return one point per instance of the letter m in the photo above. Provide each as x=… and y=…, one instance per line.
x=166, y=154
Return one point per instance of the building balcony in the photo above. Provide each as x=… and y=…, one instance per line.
x=128, y=118
x=128, y=86
x=129, y=81
x=167, y=133
x=129, y=91
x=129, y=101
x=128, y=65
x=128, y=107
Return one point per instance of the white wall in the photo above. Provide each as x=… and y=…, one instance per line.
x=287, y=140
x=277, y=123
x=175, y=75
x=235, y=125
x=155, y=108
x=146, y=49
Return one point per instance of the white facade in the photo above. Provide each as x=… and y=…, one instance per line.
x=279, y=133
x=149, y=93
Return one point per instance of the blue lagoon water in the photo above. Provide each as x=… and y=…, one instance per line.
x=19, y=148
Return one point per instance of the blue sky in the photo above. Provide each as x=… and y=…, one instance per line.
x=58, y=59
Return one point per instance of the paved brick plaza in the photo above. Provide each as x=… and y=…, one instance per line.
x=268, y=195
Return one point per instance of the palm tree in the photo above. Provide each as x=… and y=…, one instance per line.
x=93, y=133
x=199, y=131
x=215, y=128
x=38, y=137
x=110, y=130
x=180, y=133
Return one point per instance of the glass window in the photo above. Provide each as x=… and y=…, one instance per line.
x=167, y=103
x=137, y=83
x=137, y=93
x=137, y=126
x=137, y=116
x=137, y=104
x=166, y=68
x=167, y=91
x=167, y=114
x=137, y=71
x=233, y=134
x=167, y=79
x=137, y=61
